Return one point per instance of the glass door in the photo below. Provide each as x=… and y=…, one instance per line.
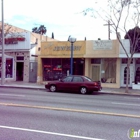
x=95, y=72
x=124, y=76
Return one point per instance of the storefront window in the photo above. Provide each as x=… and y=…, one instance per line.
x=53, y=69
x=95, y=61
x=56, y=68
x=65, y=66
x=8, y=68
x=0, y=66
x=125, y=60
x=138, y=61
x=47, y=69
x=108, y=70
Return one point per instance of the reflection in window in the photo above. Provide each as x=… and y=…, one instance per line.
x=77, y=79
x=125, y=76
x=67, y=79
x=96, y=61
x=125, y=60
x=56, y=68
x=8, y=68
x=108, y=72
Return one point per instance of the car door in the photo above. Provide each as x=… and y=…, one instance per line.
x=76, y=83
x=65, y=83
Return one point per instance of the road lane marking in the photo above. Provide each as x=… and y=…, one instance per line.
x=117, y=103
x=15, y=95
x=50, y=133
x=131, y=98
x=71, y=110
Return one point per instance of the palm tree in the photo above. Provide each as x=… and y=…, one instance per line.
x=52, y=35
x=34, y=29
x=41, y=30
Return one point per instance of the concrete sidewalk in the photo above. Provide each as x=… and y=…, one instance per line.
x=25, y=85
x=21, y=84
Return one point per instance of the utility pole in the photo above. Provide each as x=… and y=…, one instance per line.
x=108, y=24
x=3, y=54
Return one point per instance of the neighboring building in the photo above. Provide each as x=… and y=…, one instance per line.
x=103, y=60
x=21, y=50
x=134, y=66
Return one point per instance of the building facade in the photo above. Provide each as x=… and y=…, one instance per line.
x=103, y=60
x=21, y=50
x=54, y=60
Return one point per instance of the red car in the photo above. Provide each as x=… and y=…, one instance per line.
x=74, y=83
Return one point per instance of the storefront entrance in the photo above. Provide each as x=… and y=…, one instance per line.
x=123, y=76
x=19, y=71
x=95, y=72
x=56, y=68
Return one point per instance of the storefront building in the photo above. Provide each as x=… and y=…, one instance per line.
x=54, y=61
x=17, y=51
x=21, y=50
x=98, y=60
x=134, y=76
x=103, y=60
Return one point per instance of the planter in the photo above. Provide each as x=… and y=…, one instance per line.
x=135, y=86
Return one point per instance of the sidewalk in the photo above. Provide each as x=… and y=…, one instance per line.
x=25, y=85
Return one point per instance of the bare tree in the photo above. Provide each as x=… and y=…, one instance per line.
x=123, y=15
x=9, y=30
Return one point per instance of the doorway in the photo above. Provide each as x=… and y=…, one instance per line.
x=124, y=74
x=95, y=72
x=19, y=71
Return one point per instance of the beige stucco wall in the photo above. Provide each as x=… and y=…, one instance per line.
x=62, y=49
x=39, y=72
x=87, y=66
x=88, y=73
x=91, y=52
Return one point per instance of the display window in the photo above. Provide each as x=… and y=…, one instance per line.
x=57, y=68
x=8, y=68
x=108, y=70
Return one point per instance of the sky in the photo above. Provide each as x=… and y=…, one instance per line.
x=62, y=17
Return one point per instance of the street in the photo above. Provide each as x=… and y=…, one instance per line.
x=41, y=115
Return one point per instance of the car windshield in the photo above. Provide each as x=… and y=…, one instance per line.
x=88, y=79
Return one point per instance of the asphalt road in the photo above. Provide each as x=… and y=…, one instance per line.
x=40, y=115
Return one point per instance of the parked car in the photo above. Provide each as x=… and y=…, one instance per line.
x=74, y=83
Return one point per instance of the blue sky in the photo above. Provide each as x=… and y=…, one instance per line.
x=62, y=17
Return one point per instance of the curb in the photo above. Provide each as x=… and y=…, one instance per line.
x=119, y=93
x=109, y=92
x=22, y=87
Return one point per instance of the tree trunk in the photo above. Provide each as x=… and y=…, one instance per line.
x=128, y=75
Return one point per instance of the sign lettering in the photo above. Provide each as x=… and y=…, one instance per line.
x=66, y=48
x=11, y=40
x=102, y=45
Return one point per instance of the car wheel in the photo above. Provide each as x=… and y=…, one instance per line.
x=52, y=88
x=83, y=90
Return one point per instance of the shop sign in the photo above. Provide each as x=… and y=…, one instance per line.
x=66, y=48
x=102, y=45
x=12, y=40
